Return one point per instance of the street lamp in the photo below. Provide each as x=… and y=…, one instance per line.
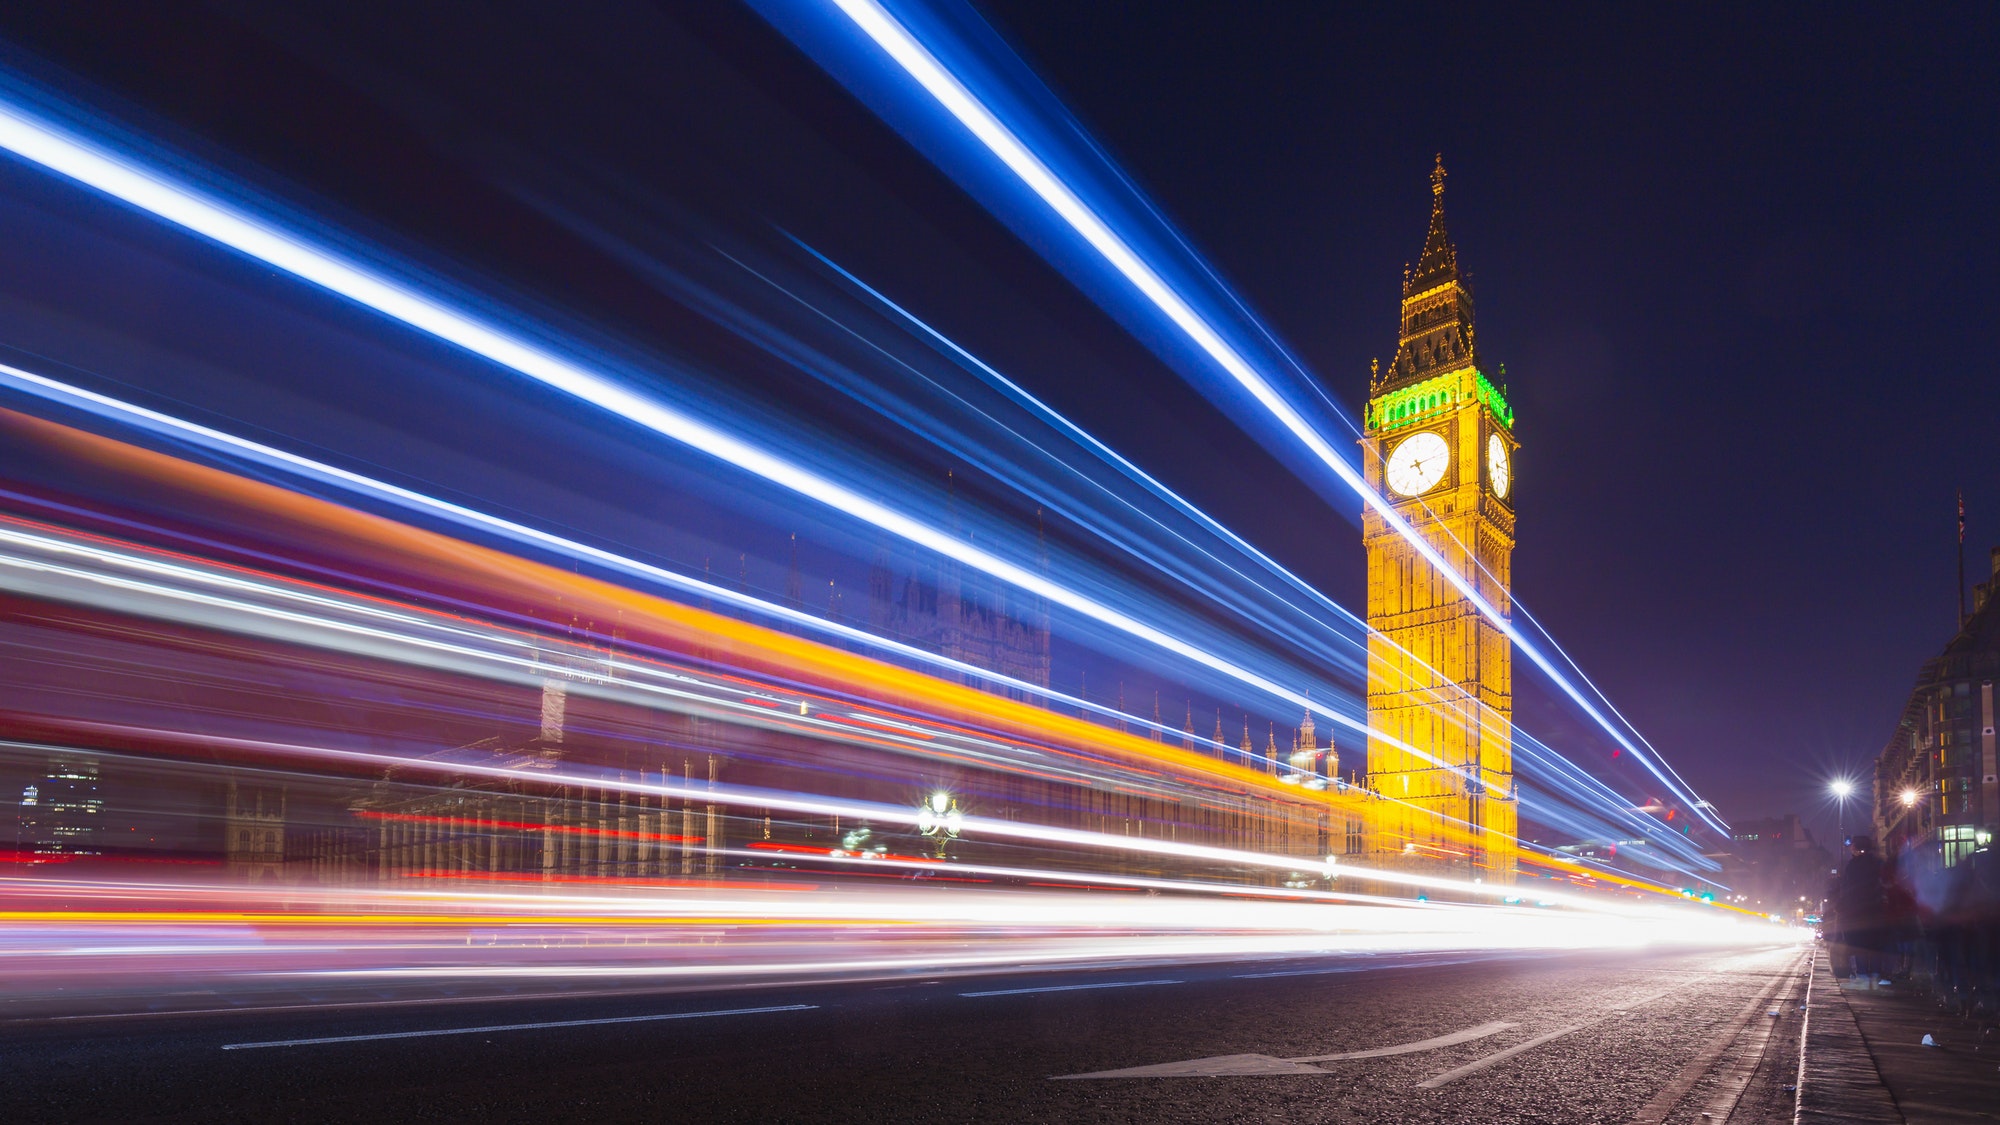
x=1909, y=797
x=939, y=818
x=1842, y=789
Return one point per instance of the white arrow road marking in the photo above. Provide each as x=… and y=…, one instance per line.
x=1477, y=1065
x=1265, y=1065
x=1456, y=1037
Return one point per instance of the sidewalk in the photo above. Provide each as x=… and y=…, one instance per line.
x=1866, y=1063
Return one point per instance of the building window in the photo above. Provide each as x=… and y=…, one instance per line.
x=1958, y=840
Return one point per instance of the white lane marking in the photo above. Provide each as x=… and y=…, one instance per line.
x=1455, y=1038
x=1478, y=1065
x=514, y=1027
x=1069, y=987
x=1264, y=1066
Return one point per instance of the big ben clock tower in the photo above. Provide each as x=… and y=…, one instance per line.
x=1439, y=445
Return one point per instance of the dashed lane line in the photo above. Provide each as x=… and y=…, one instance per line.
x=514, y=1027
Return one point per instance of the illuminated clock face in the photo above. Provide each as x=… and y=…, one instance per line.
x=1418, y=463
x=1497, y=468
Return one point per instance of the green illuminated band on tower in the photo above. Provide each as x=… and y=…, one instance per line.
x=1494, y=400
x=1432, y=397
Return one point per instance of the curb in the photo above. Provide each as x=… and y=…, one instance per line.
x=1838, y=1082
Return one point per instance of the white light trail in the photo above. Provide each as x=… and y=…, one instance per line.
x=896, y=41
x=66, y=569
x=231, y=937
x=816, y=805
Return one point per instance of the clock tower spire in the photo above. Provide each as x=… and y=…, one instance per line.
x=1439, y=444
x=1437, y=308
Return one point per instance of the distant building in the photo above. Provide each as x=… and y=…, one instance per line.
x=1937, y=784
x=61, y=816
x=1775, y=866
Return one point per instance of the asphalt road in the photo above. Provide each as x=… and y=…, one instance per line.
x=1597, y=1038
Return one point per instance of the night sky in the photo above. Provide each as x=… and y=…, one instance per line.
x=1738, y=270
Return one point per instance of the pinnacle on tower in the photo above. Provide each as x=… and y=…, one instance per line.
x=1437, y=309
x=1439, y=261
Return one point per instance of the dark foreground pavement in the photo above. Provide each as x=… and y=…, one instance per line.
x=1871, y=1063
x=1651, y=1037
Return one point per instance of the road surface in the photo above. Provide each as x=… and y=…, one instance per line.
x=1640, y=1036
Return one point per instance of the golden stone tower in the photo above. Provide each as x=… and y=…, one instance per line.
x=1439, y=444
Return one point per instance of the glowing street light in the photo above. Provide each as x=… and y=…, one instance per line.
x=1842, y=789
x=1909, y=797
x=938, y=818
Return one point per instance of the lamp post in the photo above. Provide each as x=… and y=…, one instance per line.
x=939, y=819
x=1842, y=789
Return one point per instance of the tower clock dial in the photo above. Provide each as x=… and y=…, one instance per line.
x=1418, y=464
x=1497, y=469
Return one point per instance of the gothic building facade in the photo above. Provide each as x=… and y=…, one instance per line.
x=966, y=618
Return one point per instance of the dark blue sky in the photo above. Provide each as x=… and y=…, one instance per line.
x=1738, y=268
